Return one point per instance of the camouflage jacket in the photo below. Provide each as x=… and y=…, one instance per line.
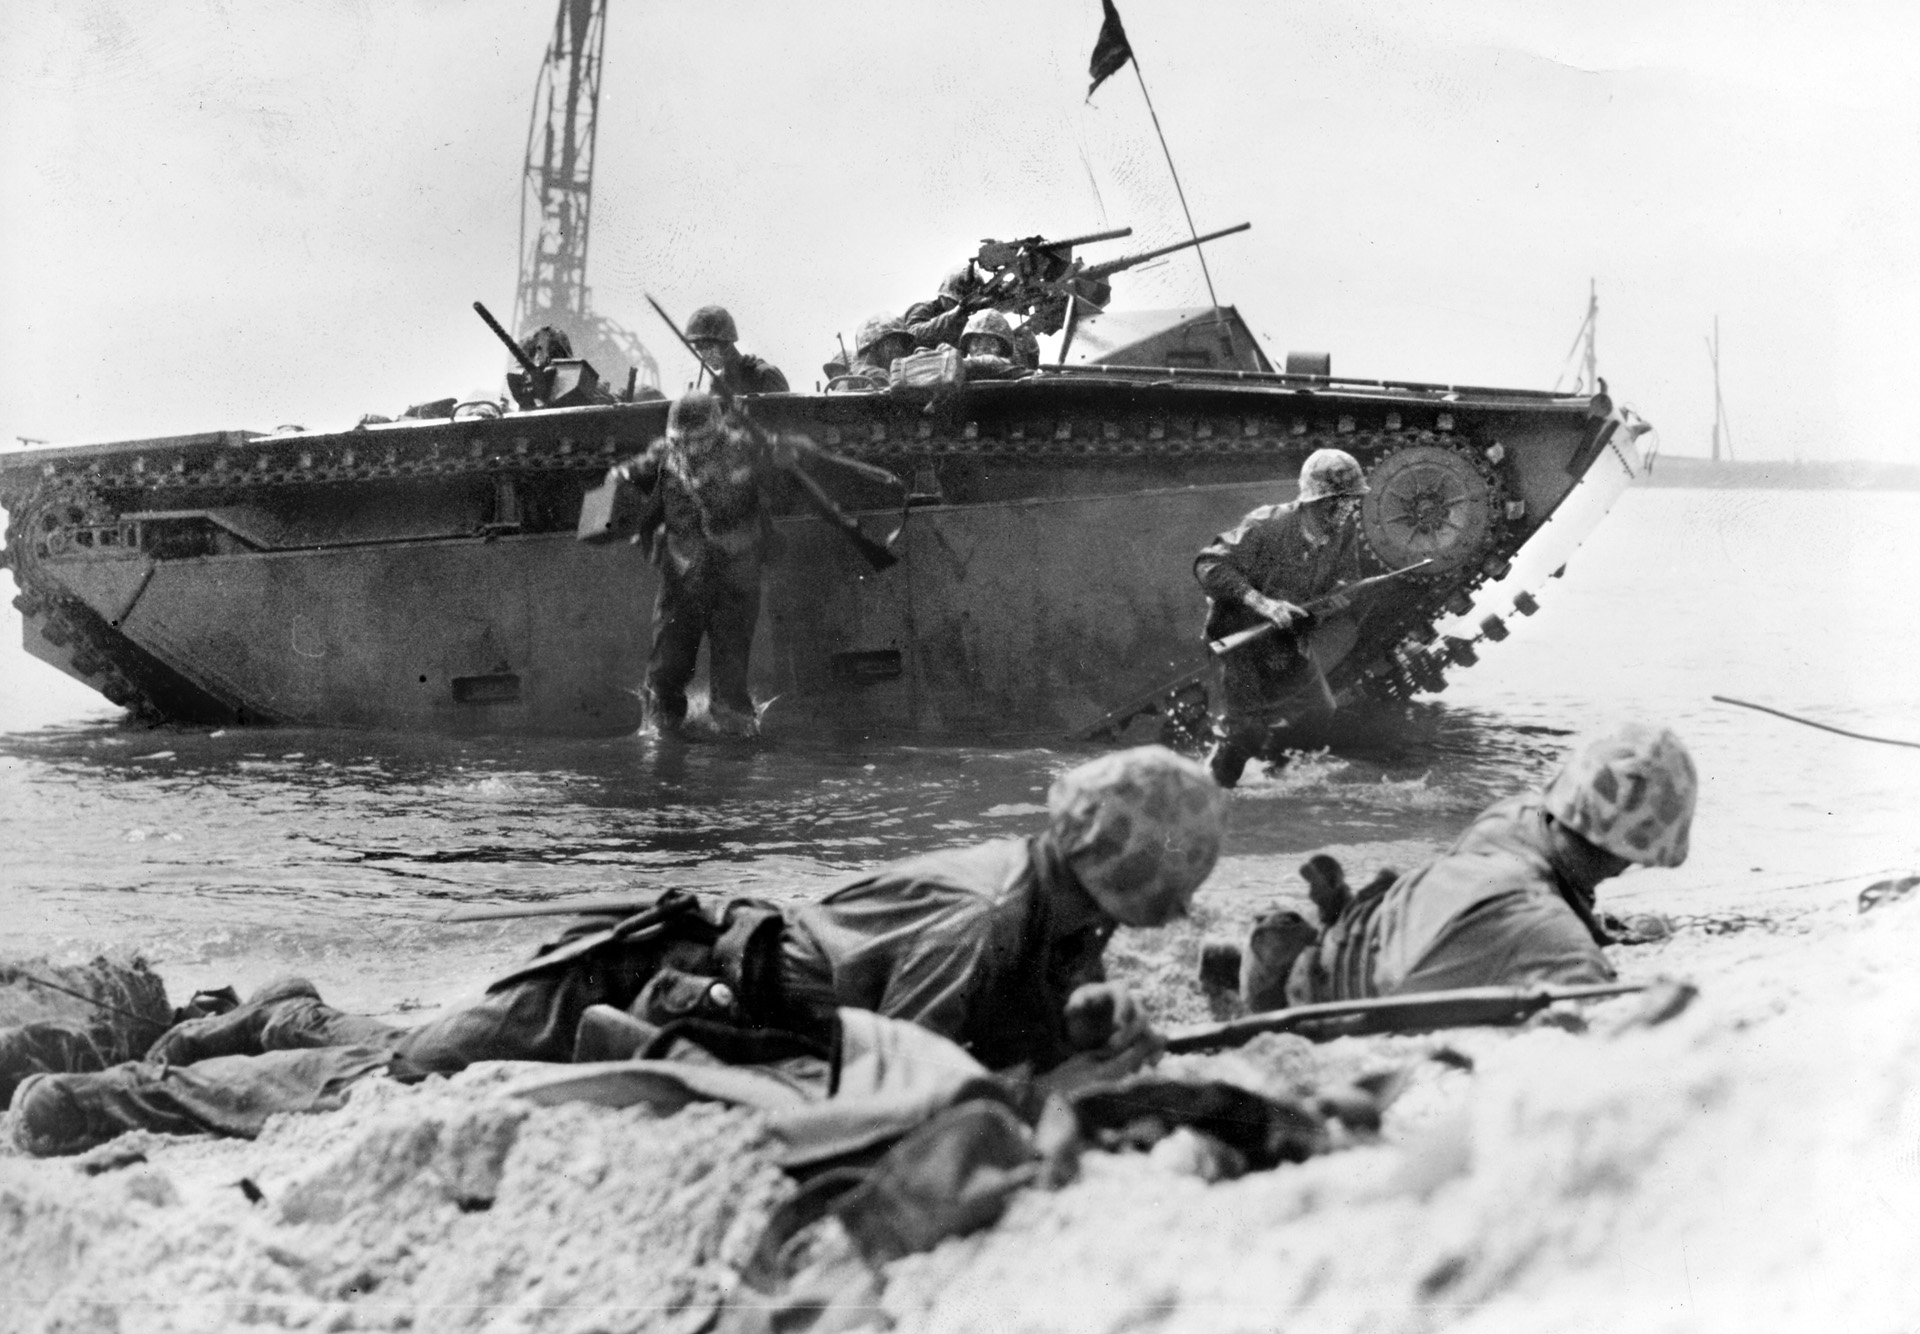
x=963, y=942
x=1495, y=909
x=1270, y=552
x=757, y=376
x=706, y=506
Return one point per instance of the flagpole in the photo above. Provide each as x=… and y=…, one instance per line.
x=1192, y=231
x=1198, y=250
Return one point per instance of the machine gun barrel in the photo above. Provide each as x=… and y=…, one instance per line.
x=526, y=362
x=1111, y=266
x=1113, y=235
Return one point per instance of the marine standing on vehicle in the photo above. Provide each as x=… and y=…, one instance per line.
x=1279, y=557
x=708, y=526
x=716, y=339
x=880, y=341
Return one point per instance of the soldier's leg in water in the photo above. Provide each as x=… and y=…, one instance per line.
x=1246, y=687
x=733, y=611
x=678, y=622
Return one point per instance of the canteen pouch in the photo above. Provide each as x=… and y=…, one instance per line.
x=930, y=371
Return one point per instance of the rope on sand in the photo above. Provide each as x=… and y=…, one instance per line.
x=1857, y=736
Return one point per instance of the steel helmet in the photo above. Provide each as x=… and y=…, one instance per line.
x=960, y=284
x=1631, y=793
x=989, y=324
x=547, y=344
x=1140, y=830
x=695, y=412
x=874, y=328
x=1331, y=472
x=712, y=322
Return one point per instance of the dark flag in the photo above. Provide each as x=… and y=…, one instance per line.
x=1110, y=49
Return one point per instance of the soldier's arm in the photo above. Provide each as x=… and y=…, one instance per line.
x=1221, y=571
x=643, y=469
x=768, y=378
x=931, y=324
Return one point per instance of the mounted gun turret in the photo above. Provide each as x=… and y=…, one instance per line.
x=1030, y=274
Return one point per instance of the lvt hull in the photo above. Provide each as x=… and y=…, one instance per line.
x=424, y=575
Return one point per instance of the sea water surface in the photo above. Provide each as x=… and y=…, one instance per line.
x=230, y=855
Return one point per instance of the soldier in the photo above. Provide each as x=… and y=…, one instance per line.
x=989, y=348
x=1279, y=557
x=1511, y=903
x=943, y=319
x=713, y=335
x=708, y=527
x=881, y=339
x=997, y=947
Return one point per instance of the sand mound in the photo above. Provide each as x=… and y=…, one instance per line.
x=1751, y=1165
x=438, y=1208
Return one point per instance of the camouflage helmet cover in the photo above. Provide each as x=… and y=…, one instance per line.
x=1141, y=830
x=1331, y=472
x=1631, y=793
x=712, y=323
x=875, y=327
x=989, y=324
x=693, y=413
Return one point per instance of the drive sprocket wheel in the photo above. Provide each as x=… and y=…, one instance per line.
x=1432, y=501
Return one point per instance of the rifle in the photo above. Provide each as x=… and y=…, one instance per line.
x=536, y=378
x=1033, y=275
x=1119, y=717
x=1334, y=601
x=878, y=554
x=1465, y=1008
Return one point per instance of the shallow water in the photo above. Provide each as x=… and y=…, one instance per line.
x=231, y=855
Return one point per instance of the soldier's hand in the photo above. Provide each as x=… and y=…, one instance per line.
x=1104, y=1017
x=1279, y=611
x=784, y=451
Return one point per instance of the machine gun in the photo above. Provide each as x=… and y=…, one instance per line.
x=1029, y=274
x=879, y=555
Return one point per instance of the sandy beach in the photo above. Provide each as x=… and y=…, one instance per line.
x=1752, y=1164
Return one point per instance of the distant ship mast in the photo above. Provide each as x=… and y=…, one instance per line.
x=555, y=198
x=1722, y=429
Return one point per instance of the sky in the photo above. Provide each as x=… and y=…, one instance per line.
x=241, y=215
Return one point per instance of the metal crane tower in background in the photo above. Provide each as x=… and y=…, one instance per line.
x=556, y=195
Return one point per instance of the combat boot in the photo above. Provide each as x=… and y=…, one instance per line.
x=1226, y=762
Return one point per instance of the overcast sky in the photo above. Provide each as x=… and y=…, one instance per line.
x=251, y=213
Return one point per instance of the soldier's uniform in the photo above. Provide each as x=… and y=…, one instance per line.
x=746, y=373
x=876, y=343
x=988, y=946
x=1495, y=910
x=1270, y=553
x=991, y=350
x=1511, y=903
x=708, y=528
x=943, y=319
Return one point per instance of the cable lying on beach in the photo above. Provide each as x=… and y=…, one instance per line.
x=1824, y=727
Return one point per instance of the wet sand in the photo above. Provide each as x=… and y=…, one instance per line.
x=1752, y=1164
